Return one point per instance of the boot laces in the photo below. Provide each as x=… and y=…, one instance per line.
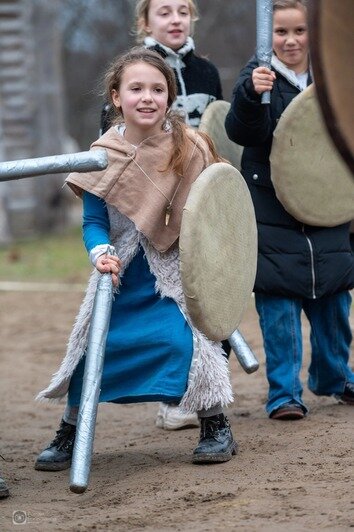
x=210, y=428
x=64, y=438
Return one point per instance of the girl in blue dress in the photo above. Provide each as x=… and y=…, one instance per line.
x=167, y=26
x=153, y=352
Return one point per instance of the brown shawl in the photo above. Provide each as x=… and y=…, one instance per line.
x=123, y=184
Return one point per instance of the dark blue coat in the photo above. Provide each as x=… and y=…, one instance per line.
x=294, y=259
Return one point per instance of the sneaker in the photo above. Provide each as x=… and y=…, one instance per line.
x=216, y=443
x=288, y=412
x=170, y=417
x=347, y=397
x=4, y=490
x=57, y=456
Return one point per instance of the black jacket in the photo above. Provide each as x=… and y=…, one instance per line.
x=201, y=86
x=294, y=260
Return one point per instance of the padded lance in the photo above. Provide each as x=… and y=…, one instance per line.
x=243, y=352
x=91, y=386
x=85, y=431
x=264, y=14
x=84, y=161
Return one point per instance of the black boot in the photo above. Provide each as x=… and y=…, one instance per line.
x=216, y=443
x=4, y=490
x=57, y=456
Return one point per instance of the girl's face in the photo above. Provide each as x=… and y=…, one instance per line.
x=290, y=38
x=169, y=22
x=143, y=99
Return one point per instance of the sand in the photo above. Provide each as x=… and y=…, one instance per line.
x=287, y=476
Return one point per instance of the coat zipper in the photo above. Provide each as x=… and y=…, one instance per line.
x=183, y=87
x=312, y=263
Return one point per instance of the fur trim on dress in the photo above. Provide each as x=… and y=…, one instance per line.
x=208, y=380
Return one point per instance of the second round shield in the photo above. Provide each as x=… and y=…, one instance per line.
x=213, y=123
x=218, y=250
x=310, y=178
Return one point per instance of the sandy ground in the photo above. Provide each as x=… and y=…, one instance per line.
x=286, y=476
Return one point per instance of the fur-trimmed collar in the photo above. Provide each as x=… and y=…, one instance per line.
x=209, y=379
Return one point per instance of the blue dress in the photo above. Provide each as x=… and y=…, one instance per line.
x=149, y=344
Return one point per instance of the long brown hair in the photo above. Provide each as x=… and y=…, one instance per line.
x=181, y=141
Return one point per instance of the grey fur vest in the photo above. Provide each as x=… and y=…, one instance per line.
x=208, y=380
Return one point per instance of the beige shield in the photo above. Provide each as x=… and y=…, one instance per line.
x=213, y=123
x=218, y=250
x=310, y=178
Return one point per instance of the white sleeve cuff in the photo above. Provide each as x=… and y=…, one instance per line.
x=97, y=251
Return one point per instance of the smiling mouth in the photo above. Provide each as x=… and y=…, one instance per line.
x=146, y=110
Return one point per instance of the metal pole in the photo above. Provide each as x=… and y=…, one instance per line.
x=84, y=161
x=91, y=387
x=265, y=38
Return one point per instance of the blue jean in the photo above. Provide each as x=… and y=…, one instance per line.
x=330, y=338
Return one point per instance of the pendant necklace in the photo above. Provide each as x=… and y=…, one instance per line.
x=168, y=210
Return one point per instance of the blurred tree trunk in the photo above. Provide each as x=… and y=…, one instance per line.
x=49, y=125
x=4, y=228
x=31, y=113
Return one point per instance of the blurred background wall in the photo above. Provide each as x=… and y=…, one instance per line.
x=52, y=58
x=95, y=31
x=31, y=114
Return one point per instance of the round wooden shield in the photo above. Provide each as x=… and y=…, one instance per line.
x=218, y=250
x=213, y=123
x=331, y=45
x=310, y=178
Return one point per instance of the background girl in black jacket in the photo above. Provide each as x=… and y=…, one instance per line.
x=166, y=27
x=300, y=267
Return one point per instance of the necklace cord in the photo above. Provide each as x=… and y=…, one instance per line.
x=169, y=201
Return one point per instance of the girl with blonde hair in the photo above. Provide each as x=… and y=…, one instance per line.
x=301, y=268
